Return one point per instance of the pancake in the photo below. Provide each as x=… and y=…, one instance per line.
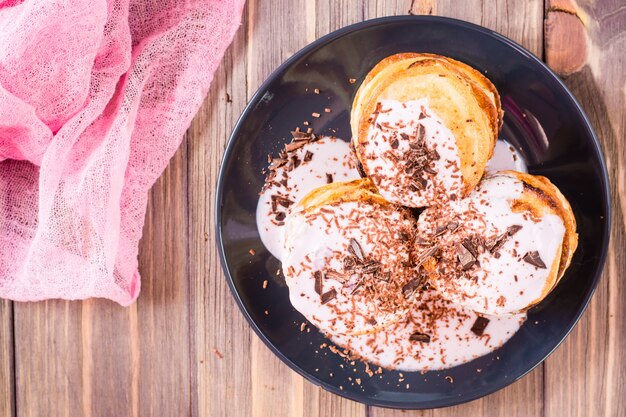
x=503, y=248
x=424, y=128
x=348, y=259
x=406, y=59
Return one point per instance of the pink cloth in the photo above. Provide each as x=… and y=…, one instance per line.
x=95, y=96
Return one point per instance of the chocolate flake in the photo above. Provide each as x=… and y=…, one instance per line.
x=419, y=337
x=299, y=135
x=427, y=253
x=356, y=250
x=337, y=276
x=479, y=325
x=329, y=178
x=452, y=226
x=440, y=230
x=308, y=156
x=534, y=259
x=290, y=147
x=280, y=216
x=420, y=132
x=410, y=287
x=394, y=143
x=328, y=295
x=466, y=259
x=511, y=230
x=318, y=282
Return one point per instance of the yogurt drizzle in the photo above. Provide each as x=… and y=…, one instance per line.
x=451, y=340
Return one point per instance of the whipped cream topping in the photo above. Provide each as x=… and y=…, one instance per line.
x=506, y=157
x=347, y=263
x=325, y=159
x=448, y=326
x=502, y=275
x=408, y=148
x=451, y=341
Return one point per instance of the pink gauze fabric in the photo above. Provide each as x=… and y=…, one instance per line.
x=95, y=96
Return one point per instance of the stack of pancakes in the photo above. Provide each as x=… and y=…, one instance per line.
x=424, y=127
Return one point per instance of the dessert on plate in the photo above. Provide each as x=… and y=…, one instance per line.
x=389, y=283
x=347, y=256
x=424, y=127
x=503, y=248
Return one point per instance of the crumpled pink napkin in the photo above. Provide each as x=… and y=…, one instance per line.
x=95, y=96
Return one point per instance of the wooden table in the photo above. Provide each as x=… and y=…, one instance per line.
x=185, y=349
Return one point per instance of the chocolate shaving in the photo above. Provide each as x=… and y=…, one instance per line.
x=427, y=253
x=469, y=245
x=404, y=136
x=356, y=250
x=452, y=226
x=277, y=163
x=372, y=321
x=283, y=201
x=290, y=147
x=318, y=282
x=299, y=135
x=308, y=156
x=534, y=259
x=349, y=263
x=394, y=143
x=329, y=178
x=419, y=337
x=370, y=267
x=410, y=287
x=421, y=116
x=479, y=325
x=280, y=216
x=440, y=230
x=403, y=236
x=420, y=132
x=337, y=276
x=328, y=295
x=429, y=170
x=358, y=285
x=466, y=259
x=511, y=230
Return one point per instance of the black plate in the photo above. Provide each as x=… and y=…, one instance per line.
x=542, y=119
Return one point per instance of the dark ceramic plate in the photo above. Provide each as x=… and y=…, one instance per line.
x=542, y=119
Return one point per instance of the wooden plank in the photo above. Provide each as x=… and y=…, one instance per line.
x=221, y=336
x=7, y=387
x=587, y=375
x=99, y=359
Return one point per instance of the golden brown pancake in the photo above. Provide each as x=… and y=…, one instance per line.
x=463, y=101
x=347, y=258
x=503, y=248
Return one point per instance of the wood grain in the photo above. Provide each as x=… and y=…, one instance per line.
x=184, y=349
x=7, y=387
x=587, y=374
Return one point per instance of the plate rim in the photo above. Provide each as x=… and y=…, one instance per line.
x=260, y=92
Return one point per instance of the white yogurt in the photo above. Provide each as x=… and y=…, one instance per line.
x=506, y=157
x=384, y=152
x=330, y=156
x=504, y=283
x=451, y=343
x=317, y=242
x=451, y=340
